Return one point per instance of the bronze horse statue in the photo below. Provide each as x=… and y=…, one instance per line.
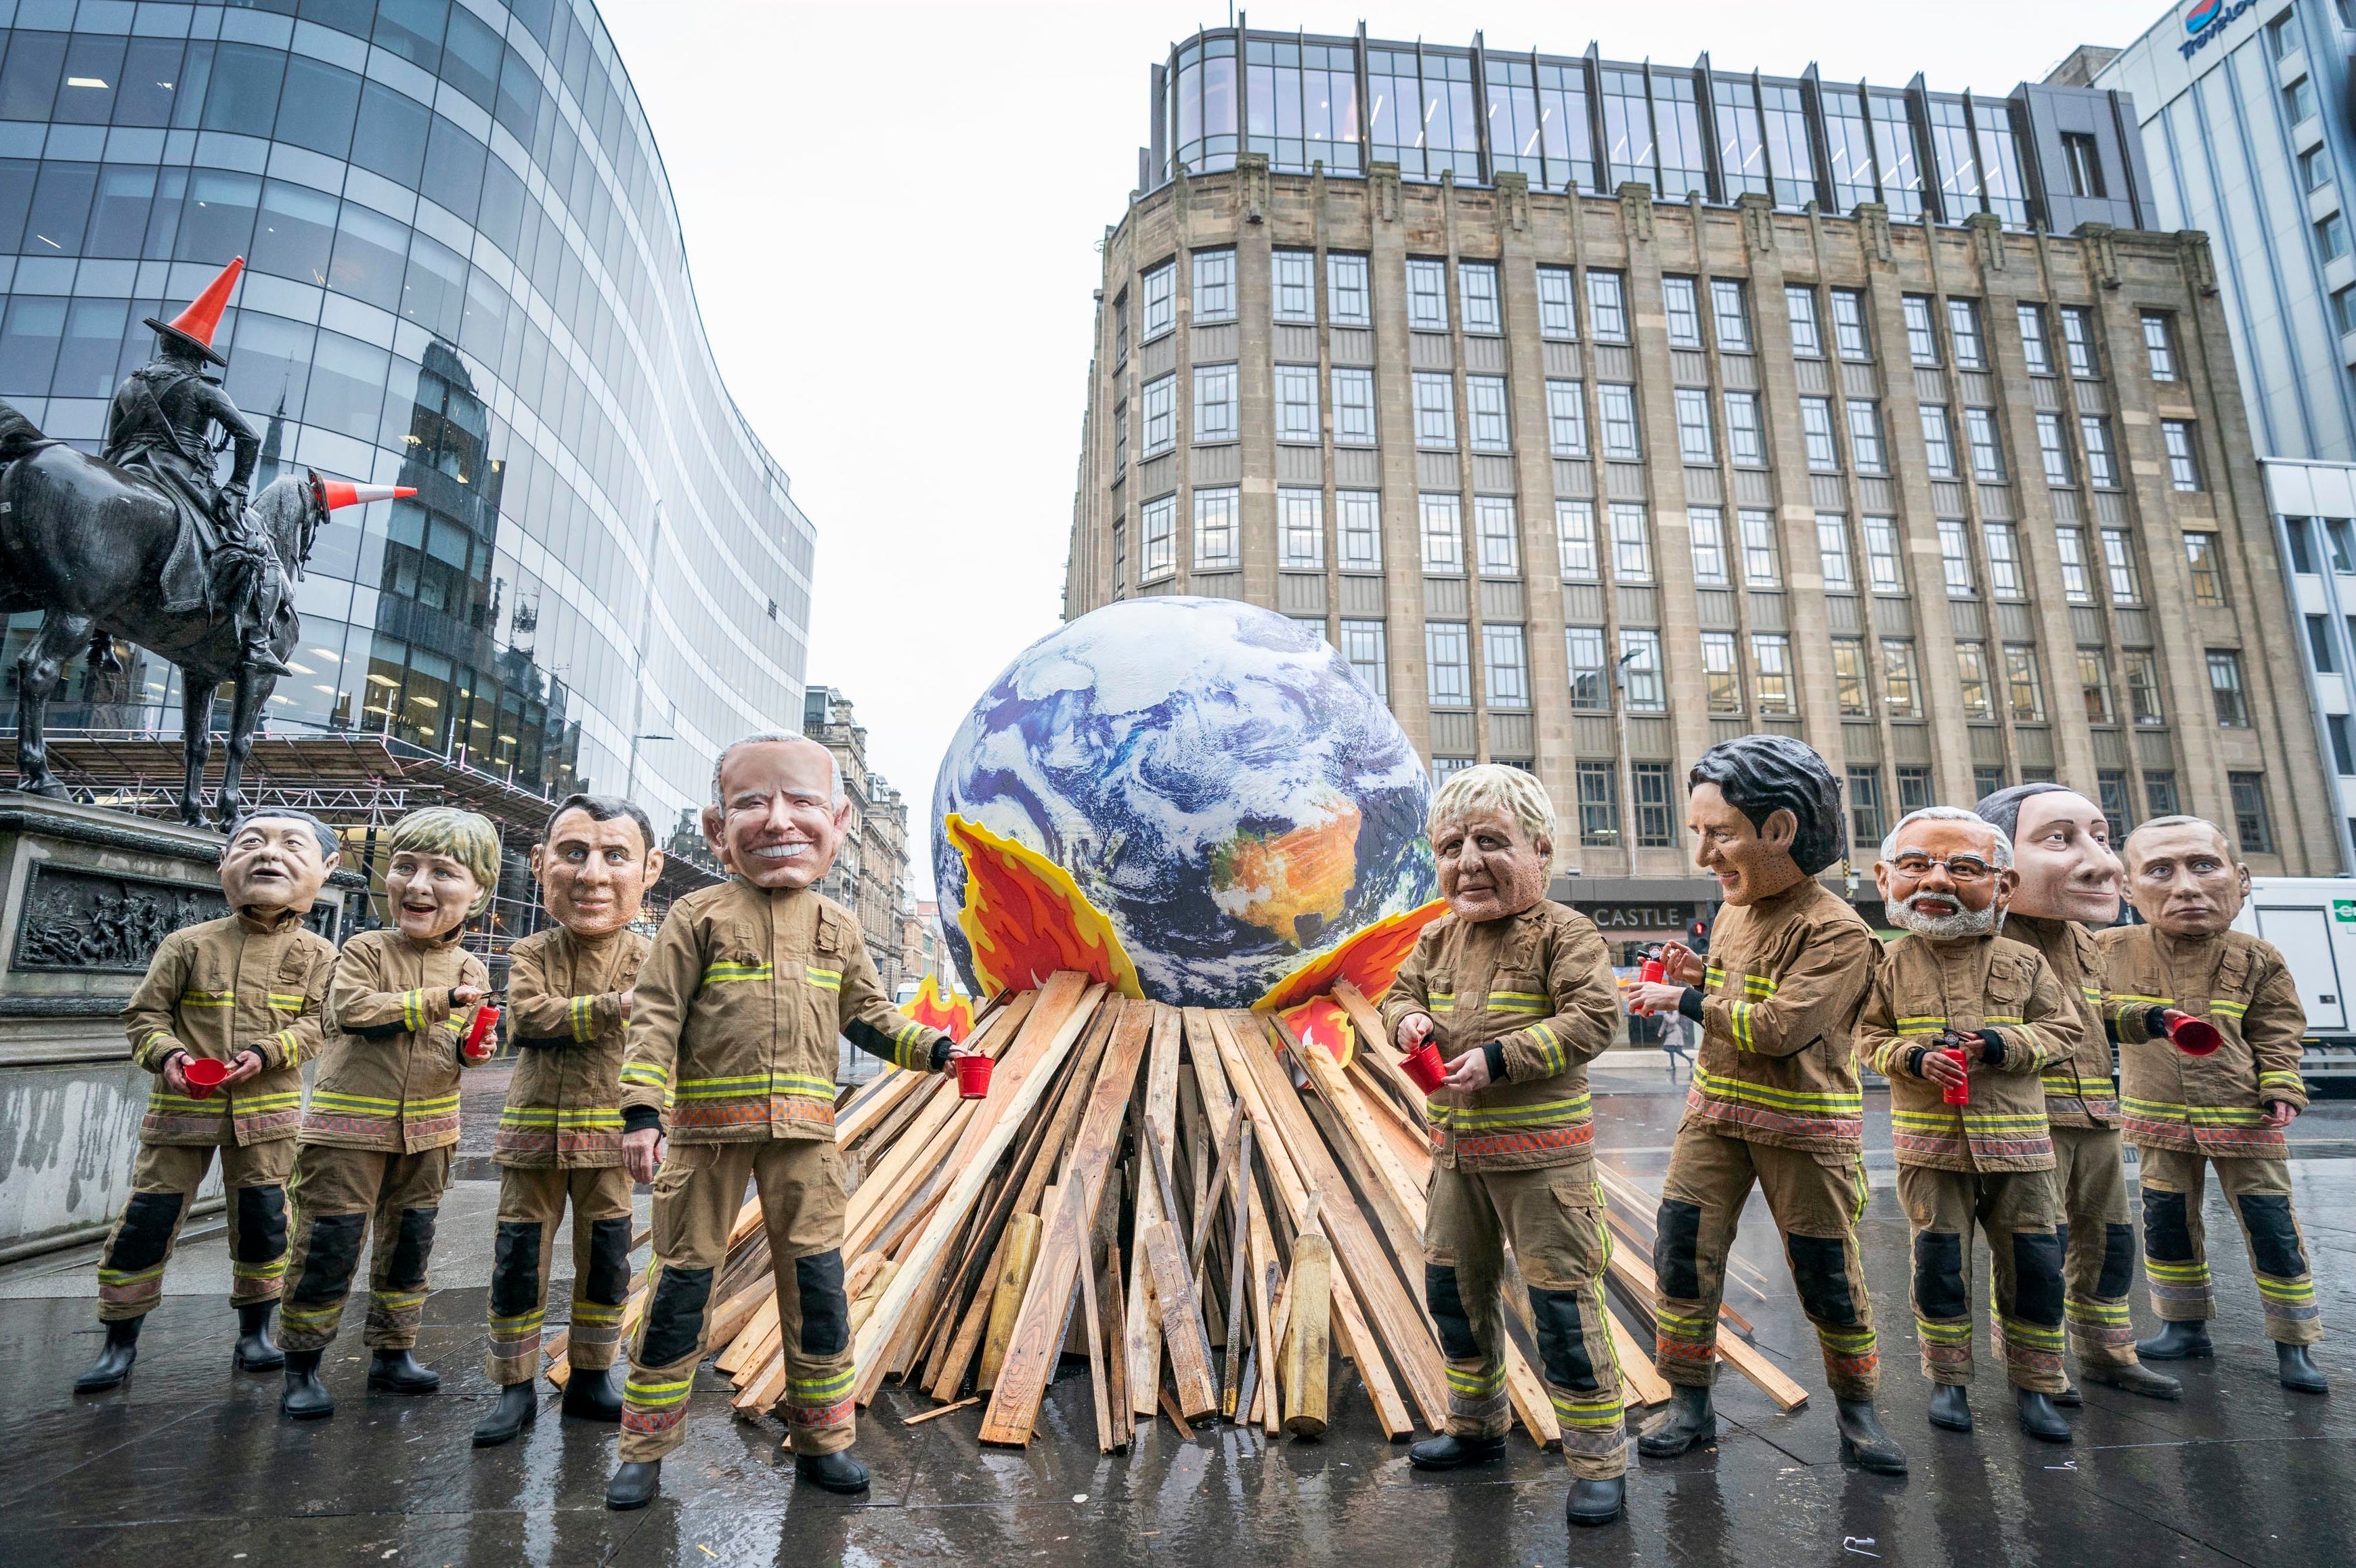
x=85, y=542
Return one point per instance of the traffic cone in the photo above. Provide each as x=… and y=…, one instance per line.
x=201, y=319
x=334, y=493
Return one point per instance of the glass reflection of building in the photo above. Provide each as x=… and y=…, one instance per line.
x=465, y=273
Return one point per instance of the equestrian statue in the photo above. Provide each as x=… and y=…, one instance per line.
x=143, y=542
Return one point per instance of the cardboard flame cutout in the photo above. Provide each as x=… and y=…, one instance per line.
x=1367, y=960
x=1026, y=918
x=1322, y=1022
x=948, y=1011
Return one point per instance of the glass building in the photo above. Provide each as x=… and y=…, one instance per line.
x=465, y=273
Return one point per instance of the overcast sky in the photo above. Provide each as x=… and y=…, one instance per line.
x=892, y=216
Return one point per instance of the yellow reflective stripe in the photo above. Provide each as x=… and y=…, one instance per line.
x=2198, y=1115
x=2230, y=1009
x=1711, y=976
x=657, y=1395
x=810, y=1390
x=254, y=1104
x=1519, y=1002
x=824, y=979
x=2146, y=1000
x=1739, y=1015
x=331, y=1099
x=161, y=1100
x=1550, y=1052
x=728, y=974
x=1522, y=1115
x=1442, y=1002
x=1777, y=1099
x=207, y=998
x=552, y=1116
x=288, y=999
x=652, y=1074
x=2003, y=1020
x=1759, y=984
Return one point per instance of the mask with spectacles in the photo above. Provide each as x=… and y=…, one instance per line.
x=1962, y=869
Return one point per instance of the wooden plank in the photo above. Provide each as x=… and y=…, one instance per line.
x=1124, y=1420
x=1375, y=1050
x=1142, y=1330
x=1006, y=1298
x=1181, y=1323
x=935, y=1414
x=1177, y=1417
x=1636, y=1276
x=1030, y=1354
x=1308, y=1347
x=1239, y=1275
x=862, y=1305
x=1640, y=1384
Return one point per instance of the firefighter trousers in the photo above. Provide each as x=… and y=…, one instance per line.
x=1553, y=1219
x=2017, y=1211
x=1815, y=1199
x=335, y=1194
x=696, y=1194
x=2176, y=1252
x=163, y=1182
x=532, y=1207
x=2098, y=1243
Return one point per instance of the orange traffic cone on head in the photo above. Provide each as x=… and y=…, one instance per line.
x=197, y=324
x=334, y=493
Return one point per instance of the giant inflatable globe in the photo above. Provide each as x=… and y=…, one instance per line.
x=1206, y=778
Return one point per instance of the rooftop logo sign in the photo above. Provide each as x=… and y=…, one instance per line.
x=2205, y=20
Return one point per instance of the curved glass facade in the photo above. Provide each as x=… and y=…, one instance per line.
x=464, y=272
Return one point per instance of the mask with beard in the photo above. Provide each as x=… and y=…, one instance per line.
x=1961, y=922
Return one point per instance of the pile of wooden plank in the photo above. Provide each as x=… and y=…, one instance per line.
x=1193, y=1200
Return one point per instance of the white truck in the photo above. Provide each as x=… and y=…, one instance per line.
x=2312, y=921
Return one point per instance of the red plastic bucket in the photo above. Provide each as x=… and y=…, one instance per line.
x=2195, y=1036
x=1960, y=1094
x=1424, y=1068
x=204, y=1075
x=487, y=1018
x=973, y=1076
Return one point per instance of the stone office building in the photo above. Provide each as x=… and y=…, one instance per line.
x=1872, y=416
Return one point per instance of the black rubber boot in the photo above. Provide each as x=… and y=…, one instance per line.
x=2299, y=1372
x=831, y=1472
x=306, y=1398
x=114, y=1363
x=518, y=1408
x=1596, y=1502
x=2177, y=1342
x=2070, y=1397
x=2039, y=1418
x=2135, y=1378
x=1951, y=1407
x=1690, y=1418
x=635, y=1485
x=1445, y=1453
x=399, y=1373
x=256, y=1351
x=1864, y=1443
x=591, y=1396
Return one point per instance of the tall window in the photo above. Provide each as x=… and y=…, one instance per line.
x=1215, y=403
x=2054, y=450
x=1215, y=285
x=1922, y=339
x=1708, y=530
x=1161, y=400
x=2075, y=585
x=2119, y=564
x=1476, y=289
x=1631, y=548
x=1849, y=325
x=1566, y=419
x=1346, y=304
x=1120, y=561
x=1448, y=663
x=1726, y=312
x=1640, y=671
x=2201, y=555
x=1161, y=300
x=1938, y=441
x=2142, y=669
x=1850, y=685
x=1157, y=530
x=1865, y=438
x=1120, y=437
x=2159, y=792
x=1720, y=679
x=1218, y=542
x=1292, y=285
x=2005, y=578
x=1913, y=790
x=1359, y=515
x=1864, y=829
x=1817, y=431
x=1970, y=669
x=1504, y=666
x=1655, y=825
x=2095, y=686
x=1618, y=405
x=1301, y=528
x=2024, y=691
x=2032, y=339
x=1607, y=313
x=1800, y=305
x=1694, y=444
x=1426, y=295
x=1296, y=402
x=2183, y=469
x=2101, y=472
x=2157, y=346
x=1558, y=304
x=2250, y=823
x=1574, y=529
x=1361, y=645
x=1955, y=559
x=1987, y=452
x=1746, y=443
x=1590, y=691
x=1353, y=407
x=1435, y=410
x=1832, y=552
x=1771, y=661
x=1497, y=536
x=1881, y=556
x=1964, y=327
x=1901, y=689
x=1759, y=568
x=1485, y=398
x=2078, y=340
x=1598, y=800
x=1442, y=516
x=1683, y=312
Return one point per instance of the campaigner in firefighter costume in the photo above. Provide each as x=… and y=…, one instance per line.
x=730, y=1078
x=2224, y=1109
x=1963, y=1023
x=247, y=990
x=1774, y=1099
x=1518, y=995
x=560, y=1137
x=376, y=1139
x=2069, y=880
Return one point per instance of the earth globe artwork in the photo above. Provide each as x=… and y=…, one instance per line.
x=1196, y=800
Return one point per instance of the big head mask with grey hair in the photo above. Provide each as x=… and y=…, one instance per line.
x=778, y=813
x=1936, y=904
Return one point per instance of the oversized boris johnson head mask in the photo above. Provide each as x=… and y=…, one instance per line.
x=1766, y=813
x=779, y=812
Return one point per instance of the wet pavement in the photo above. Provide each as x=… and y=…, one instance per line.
x=189, y=1463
